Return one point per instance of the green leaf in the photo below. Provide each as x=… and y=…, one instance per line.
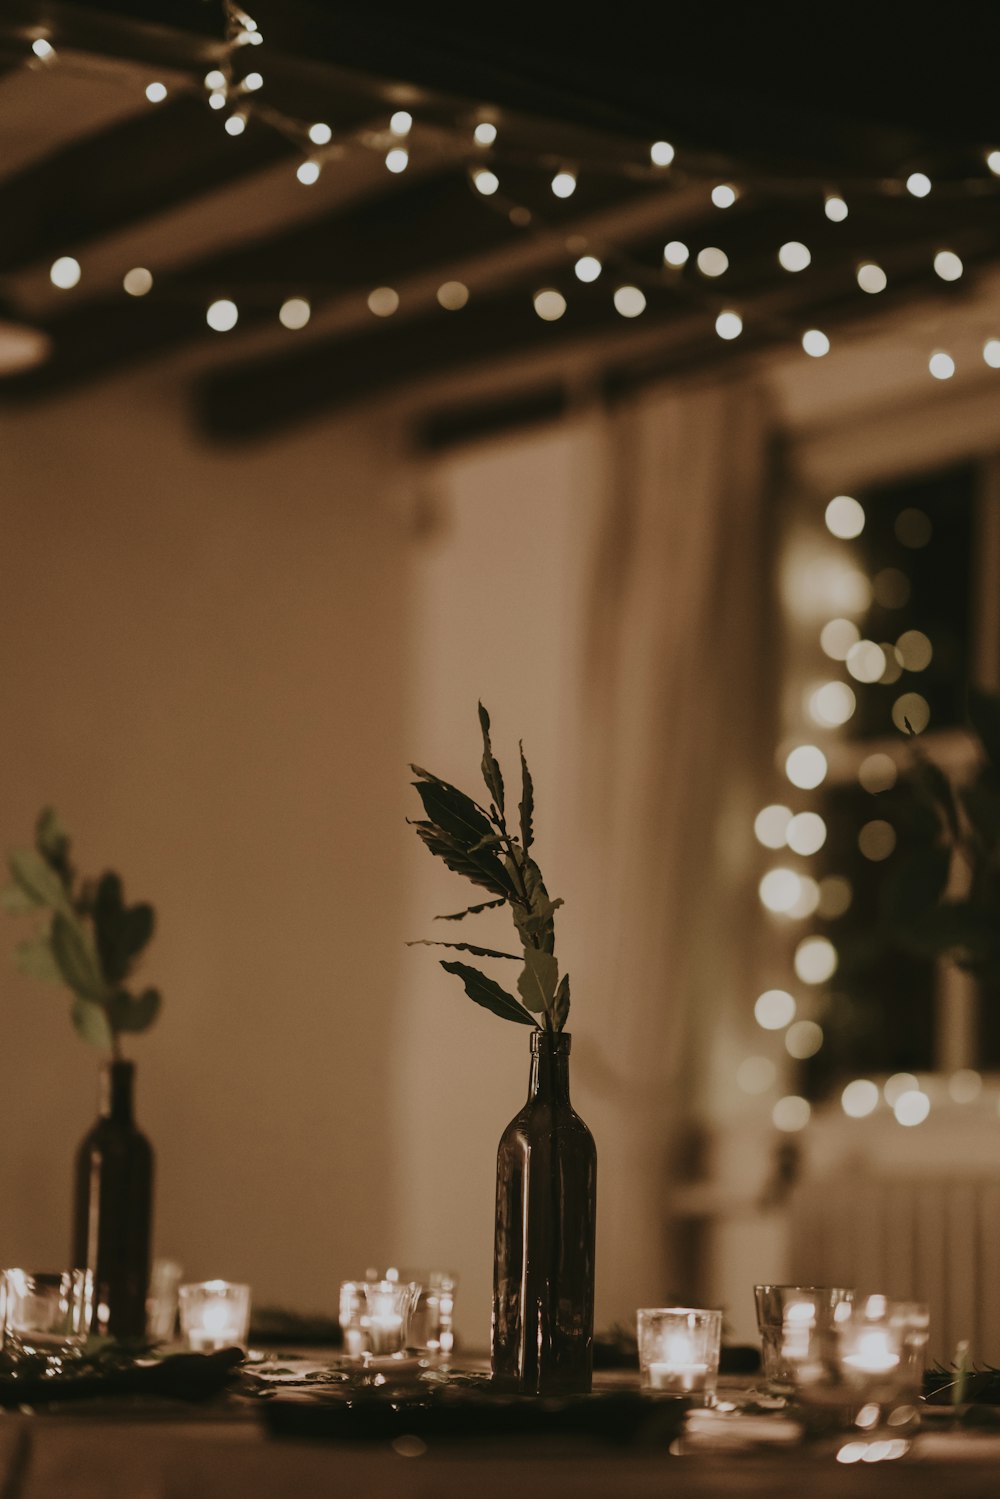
x=17, y=901
x=537, y=982
x=133, y=1012
x=91, y=1022
x=482, y=869
x=486, y=905
x=121, y=931
x=77, y=958
x=491, y=770
x=36, y=958
x=37, y=879
x=535, y=925
x=483, y=991
x=480, y=952
x=984, y=715
x=560, y=1007
x=527, y=803
x=52, y=842
x=453, y=812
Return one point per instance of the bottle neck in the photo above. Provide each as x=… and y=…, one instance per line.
x=548, y=1081
x=115, y=1091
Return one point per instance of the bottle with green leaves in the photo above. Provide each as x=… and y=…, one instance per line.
x=89, y=941
x=544, y=1235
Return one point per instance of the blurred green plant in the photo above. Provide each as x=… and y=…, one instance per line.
x=943, y=901
x=475, y=841
x=90, y=940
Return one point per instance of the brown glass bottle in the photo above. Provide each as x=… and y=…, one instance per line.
x=543, y=1262
x=114, y=1207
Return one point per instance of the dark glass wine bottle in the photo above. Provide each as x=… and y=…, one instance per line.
x=543, y=1263
x=114, y=1208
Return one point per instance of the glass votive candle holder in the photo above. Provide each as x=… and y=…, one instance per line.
x=432, y=1321
x=214, y=1314
x=45, y=1315
x=375, y=1316
x=866, y=1371
x=788, y=1317
x=679, y=1350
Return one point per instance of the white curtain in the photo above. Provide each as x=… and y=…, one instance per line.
x=673, y=714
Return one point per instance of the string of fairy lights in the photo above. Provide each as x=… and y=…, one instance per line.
x=793, y=893
x=235, y=90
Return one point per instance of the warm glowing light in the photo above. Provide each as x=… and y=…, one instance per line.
x=712, y=261
x=859, y=1098
x=911, y=709
x=771, y=825
x=866, y=661
x=780, y=889
x=895, y=1086
x=835, y=896
x=877, y=839
x=832, y=704
x=872, y=278
x=485, y=133
x=236, y=124
x=993, y=162
x=774, y=1009
x=808, y=900
x=756, y=1075
x=217, y=100
x=485, y=182
x=845, y=518
x=43, y=49
x=837, y=637
x=912, y=1107
x=661, y=153
x=948, y=265
x=805, y=767
x=877, y=773
x=294, y=313
x=729, y=325
x=965, y=1085
x=919, y=184
x=913, y=528
x=564, y=184
x=790, y=1114
x=815, y=960
x=320, y=134
x=941, y=365
x=794, y=256
x=893, y=668
x=588, y=268
x=222, y=316
x=252, y=82
x=991, y=353
x=891, y=588
x=453, y=295
x=65, y=272
x=835, y=209
x=401, y=123
x=383, y=301
x=815, y=343
x=806, y=833
x=629, y=301
x=156, y=92
x=398, y=159
x=550, y=305
x=724, y=196
x=215, y=79
x=138, y=281
x=803, y=1039
x=676, y=253
x=308, y=172
x=914, y=650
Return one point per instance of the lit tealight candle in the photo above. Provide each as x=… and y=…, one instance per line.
x=215, y=1314
x=679, y=1350
x=873, y=1353
x=679, y=1370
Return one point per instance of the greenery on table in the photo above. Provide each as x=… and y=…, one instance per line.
x=959, y=851
x=90, y=940
x=475, y=841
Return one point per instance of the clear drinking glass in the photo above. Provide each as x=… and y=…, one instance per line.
x=375, y=1316
x=214, y=1314
x=679, y=1350
x=786, y=1318
x=161, y=1303
x=46, y=1314
x=432, y=1323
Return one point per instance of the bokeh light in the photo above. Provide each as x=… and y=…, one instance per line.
x=899, y=1083
x=712, y=261
x=815, y=960
x=156, y=92
x=815, y=343
x=485, y=133
x=806, y=767
x=912, y=1108
x=877, y=839
x=991, y=353
x=65, y=272
x=808, y=900
x=320, y=134
x=911, y=709
x=965, y=1085
x=835, y=896
x=948, y=265
x=837, y=637
x=793, y=256
x=859, y=1098
x=806, y=834
x=661, y=153
x=835, y=209
x=383, y=301
x=294, y=313
x=918, y=184
x=779, y=889
x=832, y=704
x=308, y=172
x=629, y=301
x=725, y=195
x=771, y=825
x=398, y=159
x=872, y=278
x=550, y=304
x=803, y=1039
x=941, y=365
x=790, y=1114
x=564, y=184
x=877, y=772
x=676, y=253
x=844, y=517
x=729, y=324
x=866, y=661
x=915, y=650
x=222, y=315
x=774, y=1009
x=485, y=182
x=587, y=268
x=138, y=281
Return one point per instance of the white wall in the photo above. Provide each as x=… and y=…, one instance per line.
x=202, y=668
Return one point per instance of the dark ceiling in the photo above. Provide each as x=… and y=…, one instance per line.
x=786, y=101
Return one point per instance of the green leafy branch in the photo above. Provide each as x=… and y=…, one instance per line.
x=90, y=940
x=475, y=841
